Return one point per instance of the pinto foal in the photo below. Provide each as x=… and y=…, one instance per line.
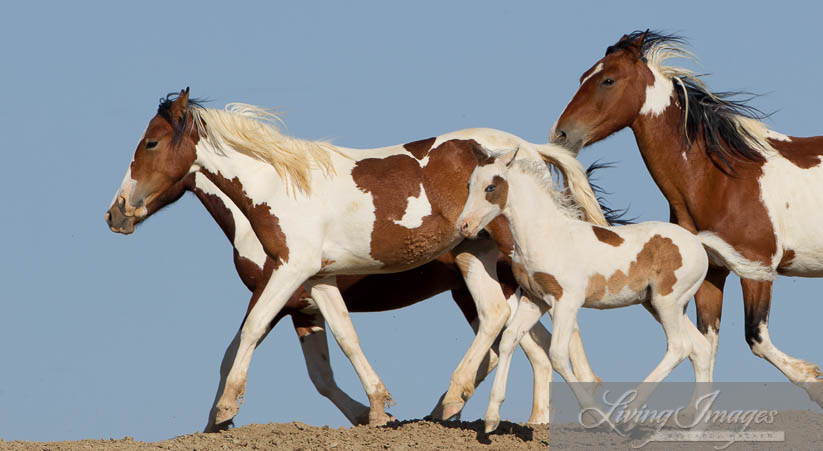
x=564, y=263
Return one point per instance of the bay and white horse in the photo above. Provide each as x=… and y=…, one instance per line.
x=362, y=293
x=321, y=210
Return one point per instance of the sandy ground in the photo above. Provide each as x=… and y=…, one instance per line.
x=412, y=434
x=802, y=429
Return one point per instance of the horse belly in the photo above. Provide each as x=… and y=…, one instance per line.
x=794, y=200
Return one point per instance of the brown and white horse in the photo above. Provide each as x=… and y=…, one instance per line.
x=362, y=293
x=751, y=193
x=564, y=264
x=321, y=210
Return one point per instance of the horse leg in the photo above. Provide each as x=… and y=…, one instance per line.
x=668, y=310
x=757, y=296
x=477, y=261
x=526, y=316
x=280, y=287
x=311, y=332
x=709, y=305
x=330, y=302
x=564, y=312
x=464, y=301
x=226, y=363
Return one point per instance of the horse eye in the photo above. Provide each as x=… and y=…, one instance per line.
x=607, y=82
x=151, y=144
x=490, y=188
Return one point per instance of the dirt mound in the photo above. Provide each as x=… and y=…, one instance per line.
x=412, y=434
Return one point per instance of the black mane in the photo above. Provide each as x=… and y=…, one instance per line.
x=613, y=216
x=711, y=115
x=164, y=111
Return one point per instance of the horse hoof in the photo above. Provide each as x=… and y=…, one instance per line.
x=452, y=409
x=380, y=419
x=491, y=425
x=217, y=427
x=225, y=415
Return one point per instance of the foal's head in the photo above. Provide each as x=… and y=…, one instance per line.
x=157, y=173
x=488, y=194
x=614, y=90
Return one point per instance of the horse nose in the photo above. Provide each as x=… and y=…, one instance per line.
x=464, y=228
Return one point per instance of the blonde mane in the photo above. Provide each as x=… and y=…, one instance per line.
x=563, y=198
x=575, y=181
x=253, y=131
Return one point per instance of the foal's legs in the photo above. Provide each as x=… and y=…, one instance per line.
x=330, y=302
x=477, y=261
x=757, y=296
x=280, y=287
x=312, y=334
x=526, y=316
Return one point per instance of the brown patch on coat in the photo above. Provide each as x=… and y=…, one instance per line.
x=501, y=193
x=392, y=180
x=265, y=223
x=501, y=233
x=548, y=284
x=804, y=153
x=785, y=261
x=607, y=236
x=596, y=288
x=420, y=148
x=655, y=265
x=539, y=284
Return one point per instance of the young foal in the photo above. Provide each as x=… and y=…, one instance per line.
x=320, y=211
x=564, y=263
x=362, y=293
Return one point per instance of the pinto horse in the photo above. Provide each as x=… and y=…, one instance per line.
x=320, y=211
x=658, y=265
x=362, y=293
x=751, y=193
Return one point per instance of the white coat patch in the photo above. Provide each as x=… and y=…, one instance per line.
x=417, y=208
x=596, y=70
x=658, y=95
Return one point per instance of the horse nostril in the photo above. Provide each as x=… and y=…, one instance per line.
x=108, y=217
x=560, y=137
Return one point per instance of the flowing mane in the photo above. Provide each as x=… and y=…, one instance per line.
x=562, y=197
x=254, y=131
x=731, y=128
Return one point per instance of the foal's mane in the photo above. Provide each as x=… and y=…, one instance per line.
x=731, y=128
x=562, y=197
x=253, y=131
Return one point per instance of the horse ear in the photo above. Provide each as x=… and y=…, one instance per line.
x=180, y=105
x=637, y=45
x=510, y=156
x=479, y=152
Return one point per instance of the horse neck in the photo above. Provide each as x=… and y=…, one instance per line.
x=221, y=208
x=533, y=215
x=246, y=181
x=678, y=172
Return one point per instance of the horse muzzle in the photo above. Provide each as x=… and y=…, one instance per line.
x=119, y=220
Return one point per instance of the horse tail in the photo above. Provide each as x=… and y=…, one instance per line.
x=575, y=179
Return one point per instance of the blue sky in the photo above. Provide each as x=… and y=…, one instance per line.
x=105, y=335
